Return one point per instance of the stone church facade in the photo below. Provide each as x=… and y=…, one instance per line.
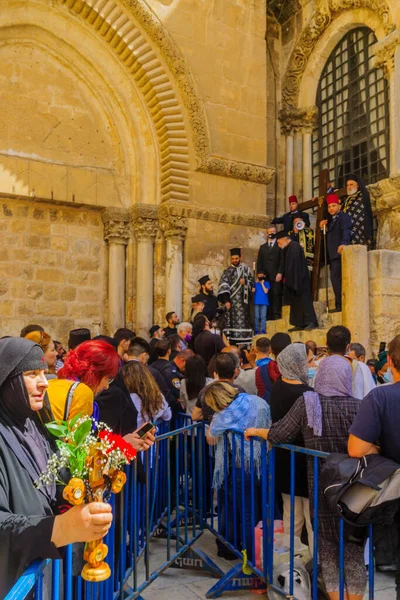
x=141, y=139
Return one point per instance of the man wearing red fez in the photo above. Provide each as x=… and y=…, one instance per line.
x=287, y=219
x=338, y=235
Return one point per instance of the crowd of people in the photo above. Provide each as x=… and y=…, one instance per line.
x=327, y=398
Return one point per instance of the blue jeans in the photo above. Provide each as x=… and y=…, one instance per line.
x=260, y=318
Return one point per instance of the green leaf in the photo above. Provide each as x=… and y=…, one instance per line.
x=57, y=430
x=82, y=432
x=73, y=421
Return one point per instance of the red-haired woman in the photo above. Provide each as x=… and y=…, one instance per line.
x=87, y=371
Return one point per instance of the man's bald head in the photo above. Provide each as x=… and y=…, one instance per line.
x=232, y=350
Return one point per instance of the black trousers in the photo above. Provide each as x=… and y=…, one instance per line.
x=275, y=300
x=336, y=279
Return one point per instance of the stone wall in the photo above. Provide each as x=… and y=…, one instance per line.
x=212, y=256
x=51, y=268
x=384, y=296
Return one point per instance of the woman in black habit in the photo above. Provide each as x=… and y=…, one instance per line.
x=29, y=529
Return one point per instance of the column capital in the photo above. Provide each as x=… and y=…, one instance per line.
x=174, y=227
x=145, y=222
x=384, y=52
x=295, y=120
x=116, y=223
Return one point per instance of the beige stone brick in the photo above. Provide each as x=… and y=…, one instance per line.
x=18, y=288
x=80, y=246
x=59, y=242
x=51, y=292
x=4, y=254
x=92, y=311
x=27, y=271
x=60, y=230
x=52, y=309
x=18, y=226
x=88, y=264
x=10, y=269
x=52, y=275
x=53, y=259
x=6, y=308
x=40, y=214
x=39, y=227
x=4, y=286
x=34, y=290
x=69, y=293
x=78, y=278
x=37, y=241
x=25, y=308
x=12, y=240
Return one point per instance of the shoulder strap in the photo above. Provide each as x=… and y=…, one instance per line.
x=68, y=401
x=346, y=418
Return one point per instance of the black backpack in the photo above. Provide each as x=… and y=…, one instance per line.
x=362, y=491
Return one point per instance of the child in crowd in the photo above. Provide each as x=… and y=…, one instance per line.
x=261, y=303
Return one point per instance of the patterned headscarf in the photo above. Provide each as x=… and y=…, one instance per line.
x=333, y=378
x=293, y=363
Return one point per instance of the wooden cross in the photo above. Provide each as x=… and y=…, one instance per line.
x=319, y=202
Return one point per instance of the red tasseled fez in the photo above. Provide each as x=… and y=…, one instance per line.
x=332, y=199
x=293, y=199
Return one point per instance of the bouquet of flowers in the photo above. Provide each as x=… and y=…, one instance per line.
x=94, y=457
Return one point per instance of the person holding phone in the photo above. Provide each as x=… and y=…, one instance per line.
x=145, y=394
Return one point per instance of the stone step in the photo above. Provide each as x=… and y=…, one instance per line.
x=325, y=321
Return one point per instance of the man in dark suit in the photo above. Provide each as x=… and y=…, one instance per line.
x=287, y=219
x=270, y=262
x=338, y=235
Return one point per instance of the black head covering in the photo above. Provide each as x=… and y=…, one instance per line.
x=236, y=251
x=282, y=234
x=153, y=329
x=106, y=338
x=20, y=426
x=203, y=280
x=77, y=336
x=197, y=298
x=368, y=223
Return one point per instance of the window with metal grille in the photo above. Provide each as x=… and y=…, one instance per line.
x=352, y=135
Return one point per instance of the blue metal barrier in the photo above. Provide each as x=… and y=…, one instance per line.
x=165, y=508
x=175, y=504
x=242, y=491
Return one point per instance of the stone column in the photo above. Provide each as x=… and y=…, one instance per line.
x=145, y=226
x=116, y=234
x=289, y=164
x=355, y=294
x=298, y=165
x=307, y=166
x=174, y=228
x=387, y=57
x=294, y=121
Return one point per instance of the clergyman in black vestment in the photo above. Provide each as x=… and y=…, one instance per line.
x=297, y=288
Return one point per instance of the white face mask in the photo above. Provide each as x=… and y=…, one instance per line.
x=352, y=191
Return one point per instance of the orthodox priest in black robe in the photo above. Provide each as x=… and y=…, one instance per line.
x=206, y=293
x=357, y=204
x=297, y=288
x=235, y=293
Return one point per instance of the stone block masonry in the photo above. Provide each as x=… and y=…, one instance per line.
x=51, y=267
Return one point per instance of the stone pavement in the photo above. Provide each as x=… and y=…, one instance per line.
x=176, y=584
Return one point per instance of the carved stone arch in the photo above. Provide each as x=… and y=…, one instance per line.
x=143, y=45
x=326, y=11
x=120, y=27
